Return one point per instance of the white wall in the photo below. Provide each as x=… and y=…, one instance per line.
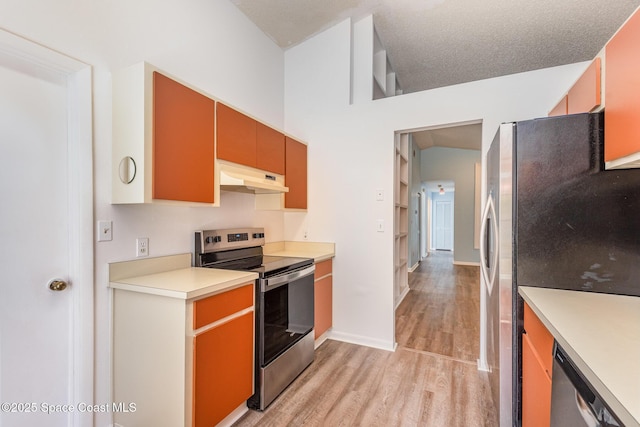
x=351, y=155
x=207, y=43
x=452, y=164
x=415, y=188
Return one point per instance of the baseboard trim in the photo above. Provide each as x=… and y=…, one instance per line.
x=470, y=264
x=362, y=340
x=402, y=296
x=483, y=366
x=322, y=338
x=233, y=416
x=412, y=269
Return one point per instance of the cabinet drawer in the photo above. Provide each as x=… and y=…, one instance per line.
x=540, y=338
x=323, y=268
x=209, y=310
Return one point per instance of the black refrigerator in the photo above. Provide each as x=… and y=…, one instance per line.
x=553, y=218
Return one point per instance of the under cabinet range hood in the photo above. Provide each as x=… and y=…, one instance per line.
x=244, y=179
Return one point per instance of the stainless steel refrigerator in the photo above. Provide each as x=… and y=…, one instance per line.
x=553, y=218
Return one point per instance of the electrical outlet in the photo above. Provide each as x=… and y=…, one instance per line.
x=305, y=235
x=142, y=247
x=105, y=231
x=379, y=194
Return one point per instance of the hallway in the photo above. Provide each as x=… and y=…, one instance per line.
x=430, y=380
x=441, y=313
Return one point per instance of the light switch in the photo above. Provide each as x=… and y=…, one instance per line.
x=105, y=231
x=379, y=194
x=380, y=226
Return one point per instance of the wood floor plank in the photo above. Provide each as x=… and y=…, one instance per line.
x=430, y=380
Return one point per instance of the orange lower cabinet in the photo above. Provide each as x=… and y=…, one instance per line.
x=223, y=370
x=536, y=388
x=323, y=311
x=539, y=337
x=323, y=295
x=183, y=363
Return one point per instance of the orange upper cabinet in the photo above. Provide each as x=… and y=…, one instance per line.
x=622, y=97
x=236, y=140
x=295, y=174
x=163, y=139
x=269, y=149
x=183, y=140
x=245, y=141
x=584, y=95
x=560, y=109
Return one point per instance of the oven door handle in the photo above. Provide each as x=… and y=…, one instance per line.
x=275, y=282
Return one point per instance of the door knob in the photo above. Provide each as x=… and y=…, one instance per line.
x=57, y=285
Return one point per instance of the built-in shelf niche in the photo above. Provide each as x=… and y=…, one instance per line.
x=401, y=217
x=385, y=82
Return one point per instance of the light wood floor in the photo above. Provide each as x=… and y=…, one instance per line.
x=430, y=380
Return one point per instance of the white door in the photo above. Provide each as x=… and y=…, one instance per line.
x=420, y=223
x=45, y=335
x=443, y=224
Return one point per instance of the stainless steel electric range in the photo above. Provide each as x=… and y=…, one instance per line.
x=284, y=305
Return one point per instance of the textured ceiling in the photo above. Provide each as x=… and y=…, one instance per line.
x=467, y=137
x=435, y=43
x=434, y=186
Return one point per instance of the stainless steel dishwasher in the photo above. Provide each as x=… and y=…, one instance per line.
x=573, y=401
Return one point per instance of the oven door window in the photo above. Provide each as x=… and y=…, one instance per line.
x=288, y=316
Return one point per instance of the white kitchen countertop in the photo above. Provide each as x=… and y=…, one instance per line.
x=172, y=276
x=319, y=251
x=601, y=334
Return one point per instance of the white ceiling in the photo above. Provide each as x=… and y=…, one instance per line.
x=435, y=43
x=467, y=137
x=434, y=186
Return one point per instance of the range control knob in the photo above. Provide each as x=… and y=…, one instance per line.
x=212, y=239
x=258, y=235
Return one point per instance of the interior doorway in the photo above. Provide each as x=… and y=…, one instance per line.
x=442, y=228
x=46, y=307
x=439, y=215
x=449, y=154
